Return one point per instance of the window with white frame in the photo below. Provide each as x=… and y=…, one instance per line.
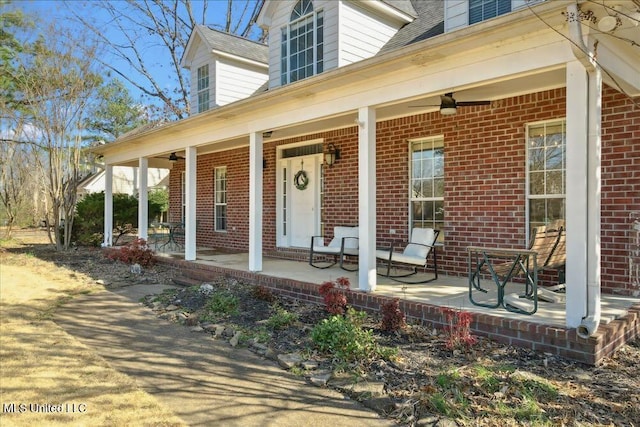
x=480, y=10
x=302, y=47
x=183, y=192
x=203, y=88
x=546, y=172
x=220, y=209
x=427, y=184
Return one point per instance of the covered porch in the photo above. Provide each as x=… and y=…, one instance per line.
x=424, y=303
x=533, y=76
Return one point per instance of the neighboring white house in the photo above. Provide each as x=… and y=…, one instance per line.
x=125, y=181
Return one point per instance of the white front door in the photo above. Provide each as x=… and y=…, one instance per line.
x=301, y=214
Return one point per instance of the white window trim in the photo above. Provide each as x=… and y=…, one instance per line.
x=436, y=138
x=285, y=74
x=528, y=196
x=215, y=199
x=204, y=90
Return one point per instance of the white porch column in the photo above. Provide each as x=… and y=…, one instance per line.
x=367, y=279
x=143, y=198
x=255, y=201
x=190, y=202
x=583, y=193
x=108, y=206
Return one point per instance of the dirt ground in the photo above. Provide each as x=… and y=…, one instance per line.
x=47, y=376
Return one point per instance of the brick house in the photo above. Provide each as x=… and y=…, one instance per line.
x=555, y=133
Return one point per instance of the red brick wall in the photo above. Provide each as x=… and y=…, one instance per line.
x=620, y=188
x=485, y=195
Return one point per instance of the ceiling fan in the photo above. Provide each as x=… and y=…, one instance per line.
x=172, y=157
x=449, y=106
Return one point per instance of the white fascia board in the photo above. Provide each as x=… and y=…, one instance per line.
x=385, y=10
x=240, y=59
x=617, y=71
x=184, y=62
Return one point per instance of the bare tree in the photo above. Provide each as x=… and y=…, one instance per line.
x=56, y=83
x=150, y=35
x=14, y=179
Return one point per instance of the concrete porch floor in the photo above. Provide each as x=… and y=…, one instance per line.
x=446, y=291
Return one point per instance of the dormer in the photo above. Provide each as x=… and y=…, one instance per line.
x=308, y=37
x=224, y=68
x=461, y=13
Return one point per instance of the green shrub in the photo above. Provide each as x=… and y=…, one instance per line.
x=345, y=339
x=88, y=225
x=281, y=319
x=223, y=302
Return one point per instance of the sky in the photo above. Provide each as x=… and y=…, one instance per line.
x=56, y=10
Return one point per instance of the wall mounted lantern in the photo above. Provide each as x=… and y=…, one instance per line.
x=331, y=155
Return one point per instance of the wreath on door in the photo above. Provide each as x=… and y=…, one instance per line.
x=301, y=180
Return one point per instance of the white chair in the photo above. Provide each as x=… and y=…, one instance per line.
x=415, y=254
x=344, y=243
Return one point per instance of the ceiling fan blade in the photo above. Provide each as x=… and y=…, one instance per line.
x=471, y=103
x=424, y=105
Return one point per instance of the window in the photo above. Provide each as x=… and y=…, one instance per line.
x=302, y=48
x=203, y=88
x=220, y=211
x=546, y=172
x=480, y=10
x=427, y=184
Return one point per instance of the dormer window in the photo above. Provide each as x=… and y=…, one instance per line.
x=203, y=88
x=480, y=10
x=302, y=46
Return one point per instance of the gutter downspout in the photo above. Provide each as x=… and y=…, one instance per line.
x=591, y=320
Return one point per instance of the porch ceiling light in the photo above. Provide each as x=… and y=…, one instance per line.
x=609, y=23
x=448, y=105
x=331, y=155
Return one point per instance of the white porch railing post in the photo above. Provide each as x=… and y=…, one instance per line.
x=108, y=206
x=367, y=279
x=190, y=204
x=582, y=194
x=255, y=201
x=143, y=198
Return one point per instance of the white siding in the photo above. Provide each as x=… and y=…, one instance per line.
x=362, y=33
x=201, y=57
x=519, y=4
x=235, y=81
x=331, y=38
x=456, y=14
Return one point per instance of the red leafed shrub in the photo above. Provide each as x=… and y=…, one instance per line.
x=135, y=252
x=393, y=319
x=263, y=293
x=458, y=332
x=334, y=295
